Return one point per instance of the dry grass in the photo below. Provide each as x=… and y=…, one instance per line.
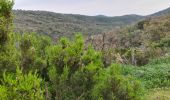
x=159, y=94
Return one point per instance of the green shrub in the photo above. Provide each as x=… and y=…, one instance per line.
x=21, y=86
x=86, y=78
x=72, y=68
x=153, y=75
x=8, y=54
x=110, y=84
x=5, y=20
x=32, y=48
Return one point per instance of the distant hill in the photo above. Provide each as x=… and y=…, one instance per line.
x=55, y=24
x=163, y=12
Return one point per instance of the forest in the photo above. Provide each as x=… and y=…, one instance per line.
x=129, y=63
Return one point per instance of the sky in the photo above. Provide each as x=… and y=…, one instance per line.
x=95, y=7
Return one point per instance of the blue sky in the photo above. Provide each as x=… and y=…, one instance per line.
x=95, y=7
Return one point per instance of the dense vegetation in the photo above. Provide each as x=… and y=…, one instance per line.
x=33, y=67
x=137, y=44
x=57, y=25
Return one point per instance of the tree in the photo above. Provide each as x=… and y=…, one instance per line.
x=8, y=52
x=5, y=19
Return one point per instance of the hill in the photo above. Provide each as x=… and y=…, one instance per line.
x=146, y=40
x=55, y=24
x=163, y=12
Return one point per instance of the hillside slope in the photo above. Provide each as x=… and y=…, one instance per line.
x=55, y=24
x=163, y=12
x=136, y=44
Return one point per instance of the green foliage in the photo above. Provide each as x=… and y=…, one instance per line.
x=73, y=68
x=8, y=54
x=65, y=53
x=3, y=92
x=21, y=86
x=74, y=71
x=141, y=25
x=6, y=7
x=5, y=20
x=78, y=73
x=112, y=85
x=153, y=75
x=8, y=60
x=32, y=48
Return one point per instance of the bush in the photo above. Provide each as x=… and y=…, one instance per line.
x=78, y=73
x=110, y=84
x=72, y=68
x=21, y=86
x=153, y=75
x=8, y=54
x=5, y=20
x=32, y=48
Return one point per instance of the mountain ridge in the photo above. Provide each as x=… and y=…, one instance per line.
x=161, y=13
x=57, y=24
